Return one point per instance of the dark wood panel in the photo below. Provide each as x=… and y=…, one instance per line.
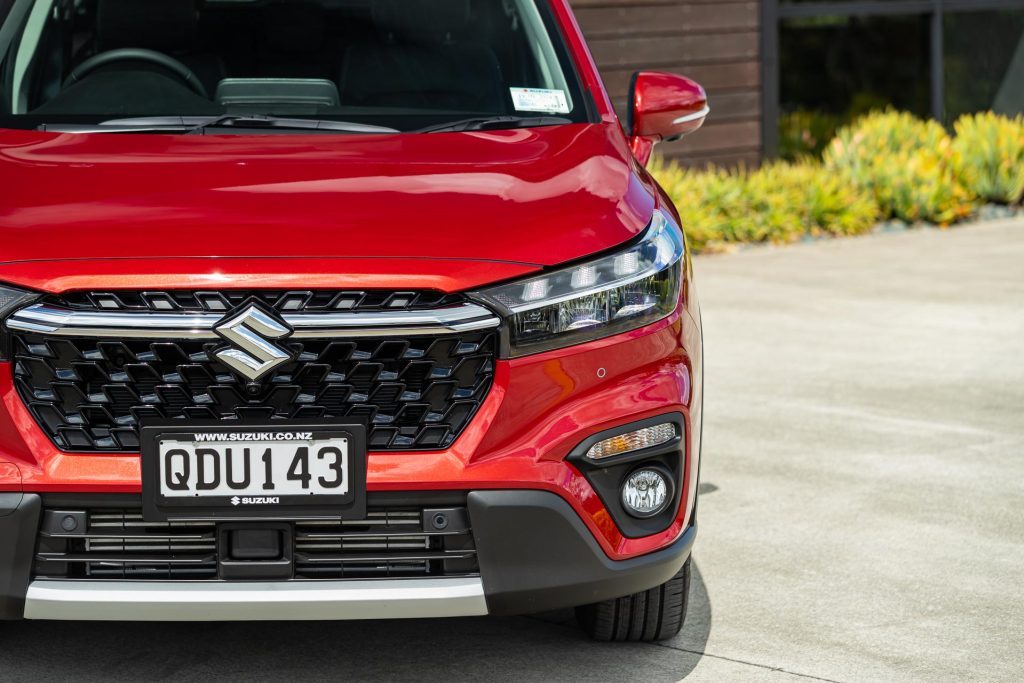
x=624, y=20
x=647, y=51
x=714, y=77
x=735, y=105
x=715, y=42
x=729, y=159
x=715, y=138
x=724, y=106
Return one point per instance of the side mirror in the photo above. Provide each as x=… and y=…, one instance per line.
x=663, y=107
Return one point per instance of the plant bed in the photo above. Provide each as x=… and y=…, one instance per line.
x=888, y=171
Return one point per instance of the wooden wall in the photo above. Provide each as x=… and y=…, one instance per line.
x=715, y=42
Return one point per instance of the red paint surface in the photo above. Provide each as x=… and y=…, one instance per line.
x=659, y=101
x=539, y=408
x=448, y=211
x=534, y=196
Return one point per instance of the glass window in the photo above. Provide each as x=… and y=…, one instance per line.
x=984, y=62
x=819, y=2
x=404, y=64
x=835, y=68
x=838, y=60
x=847, y=65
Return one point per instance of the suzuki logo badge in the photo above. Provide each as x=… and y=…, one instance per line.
x=251, y=333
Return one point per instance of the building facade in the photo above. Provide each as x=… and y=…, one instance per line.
x=783, y=74
x=716, y=42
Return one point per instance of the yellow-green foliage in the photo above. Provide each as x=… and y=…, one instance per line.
x=906, y=163
x=778, y=203
x=826, y=203
x=805, y=133
x=709, y=204
x=989, y=156
x=885, y=165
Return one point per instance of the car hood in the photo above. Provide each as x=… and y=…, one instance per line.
x=538, y=196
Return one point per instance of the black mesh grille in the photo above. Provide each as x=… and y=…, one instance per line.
x=415, y=393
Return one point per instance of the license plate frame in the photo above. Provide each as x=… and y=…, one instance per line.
x=157, y=507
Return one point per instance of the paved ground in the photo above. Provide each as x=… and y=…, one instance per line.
x=862, y=512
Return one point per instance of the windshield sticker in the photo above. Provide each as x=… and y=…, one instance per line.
x=540, y=99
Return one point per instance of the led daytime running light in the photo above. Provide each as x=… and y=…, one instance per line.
x=648, y=437
x=635, y=286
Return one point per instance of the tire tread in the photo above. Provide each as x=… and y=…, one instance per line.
x=648, y=616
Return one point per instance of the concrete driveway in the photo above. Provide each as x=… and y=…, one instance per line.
x=862, y=513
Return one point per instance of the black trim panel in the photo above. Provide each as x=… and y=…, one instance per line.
x=19, y=524
x=536, y=554
x=607, y=475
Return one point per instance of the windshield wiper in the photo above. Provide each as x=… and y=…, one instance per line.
x=265, y=121
x=199, y=125
x=495, y=122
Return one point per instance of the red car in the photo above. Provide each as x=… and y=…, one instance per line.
x=339, y=309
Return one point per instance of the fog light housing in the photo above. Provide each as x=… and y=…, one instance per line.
x=647, y=492
x=648, y=437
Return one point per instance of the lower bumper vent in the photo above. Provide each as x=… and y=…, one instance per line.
x=118, y=545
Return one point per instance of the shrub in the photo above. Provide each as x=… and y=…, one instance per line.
x=989, y=156
x=708, y=202
x=906, y=163
x=777, y=203
x=885, y=165
x=827, y=203
x=804, y=133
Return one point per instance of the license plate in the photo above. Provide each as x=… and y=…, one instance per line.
x=288, y=470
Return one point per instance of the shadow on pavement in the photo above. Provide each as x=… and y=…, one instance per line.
x=694, y=636
x=543, y=647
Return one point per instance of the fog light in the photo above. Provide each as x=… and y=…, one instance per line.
x=633, y=441
x=646, y=492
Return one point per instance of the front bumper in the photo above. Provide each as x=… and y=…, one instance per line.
x=539, y=410
x=534, y=551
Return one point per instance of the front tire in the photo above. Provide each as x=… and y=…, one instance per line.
x=648, y=616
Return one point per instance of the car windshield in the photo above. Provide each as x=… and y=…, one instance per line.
x=407, y=65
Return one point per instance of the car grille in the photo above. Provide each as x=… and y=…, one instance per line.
x=117, y=544
x=281, y=301
x=386, y=543
x=415, y=392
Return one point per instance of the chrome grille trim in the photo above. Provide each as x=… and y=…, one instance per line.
x=59, y=321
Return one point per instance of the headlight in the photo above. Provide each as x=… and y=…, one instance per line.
x=10, y=299
x=622, y=291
